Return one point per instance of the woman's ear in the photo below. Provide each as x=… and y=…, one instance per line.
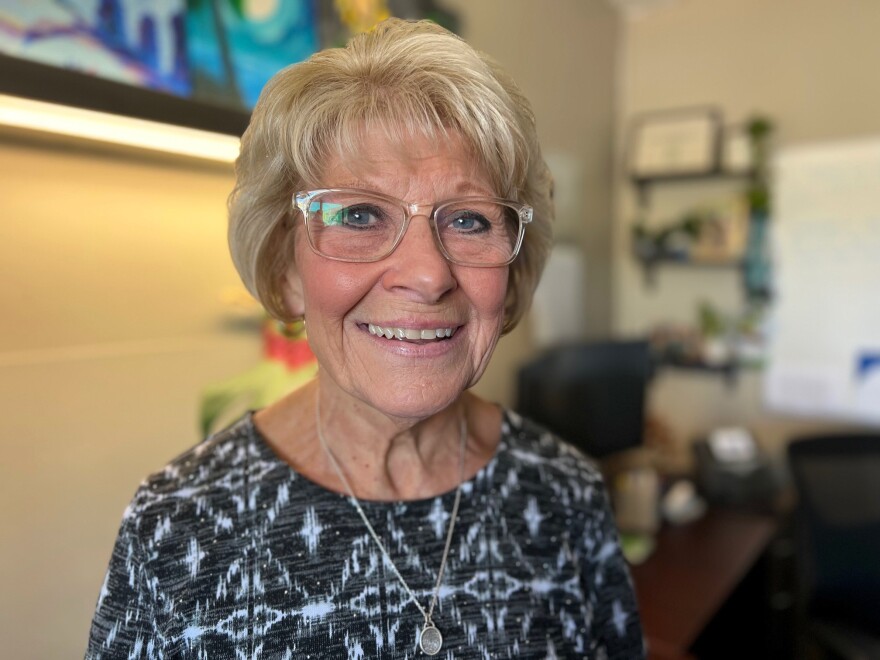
x=292, y=293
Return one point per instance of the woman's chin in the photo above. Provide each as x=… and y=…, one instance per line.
x=414, y=408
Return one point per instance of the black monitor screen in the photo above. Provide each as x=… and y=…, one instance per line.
x=592, y=395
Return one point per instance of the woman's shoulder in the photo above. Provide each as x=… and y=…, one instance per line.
x=531, y=444
x=218, y=466
x=216, y=455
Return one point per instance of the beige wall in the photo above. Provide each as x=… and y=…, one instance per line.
x=114, y=266
x=810, y=65
x=113, y=269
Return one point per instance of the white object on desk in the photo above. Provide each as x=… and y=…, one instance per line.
x=733, y=444
x=682, y=504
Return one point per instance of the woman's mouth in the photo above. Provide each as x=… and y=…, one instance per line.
x=411, y=334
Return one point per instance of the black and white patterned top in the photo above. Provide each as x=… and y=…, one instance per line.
x=229, y=553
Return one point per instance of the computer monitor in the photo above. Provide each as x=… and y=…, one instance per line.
x=591, y=394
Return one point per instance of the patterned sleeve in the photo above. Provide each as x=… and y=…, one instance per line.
x=616, y=625
x=126, y=621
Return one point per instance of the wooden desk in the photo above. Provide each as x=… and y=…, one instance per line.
x=693, y=570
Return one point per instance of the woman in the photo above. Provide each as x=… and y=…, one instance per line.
x=391, y=194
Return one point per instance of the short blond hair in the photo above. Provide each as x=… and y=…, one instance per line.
x=405, y=79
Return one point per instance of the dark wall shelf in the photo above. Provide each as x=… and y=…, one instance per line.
x=650, y=263
x=643, y=185
x=691, y=176
x=651, y=257
x=729, y=370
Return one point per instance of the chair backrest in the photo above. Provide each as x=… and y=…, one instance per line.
x=838, y=525
x=591, y=394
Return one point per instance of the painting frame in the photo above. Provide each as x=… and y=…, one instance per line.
x=35, y=75
x=42, y=82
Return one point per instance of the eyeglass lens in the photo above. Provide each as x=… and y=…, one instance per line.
x=360, y=227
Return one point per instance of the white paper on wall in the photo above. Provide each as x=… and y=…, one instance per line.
x=559, y=308
x=824, y=353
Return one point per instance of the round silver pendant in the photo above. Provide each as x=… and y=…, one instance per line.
x=430, y=640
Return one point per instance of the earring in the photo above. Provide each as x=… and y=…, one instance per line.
x=294, y=329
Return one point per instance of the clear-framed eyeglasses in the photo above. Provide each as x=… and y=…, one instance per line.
x=346, y=224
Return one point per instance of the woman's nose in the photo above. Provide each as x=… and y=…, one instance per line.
x=417, y=264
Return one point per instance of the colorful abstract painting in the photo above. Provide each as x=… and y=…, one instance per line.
x=234, y=46
x=218, y=51
x=138, y=43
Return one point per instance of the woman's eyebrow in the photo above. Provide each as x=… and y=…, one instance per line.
x=464, y=188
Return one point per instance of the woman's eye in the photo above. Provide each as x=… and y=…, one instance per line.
x=469, y=222
x=359, y=216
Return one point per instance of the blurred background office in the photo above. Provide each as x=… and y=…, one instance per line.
x=121, y=307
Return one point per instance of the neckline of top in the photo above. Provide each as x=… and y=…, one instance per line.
x=268, y=453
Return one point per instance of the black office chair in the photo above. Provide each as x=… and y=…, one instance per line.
x=591, y=394
x=837, y=534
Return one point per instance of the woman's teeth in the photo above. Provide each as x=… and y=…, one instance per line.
x=410, y=334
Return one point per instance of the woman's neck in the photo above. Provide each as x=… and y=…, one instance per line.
x=383, y=458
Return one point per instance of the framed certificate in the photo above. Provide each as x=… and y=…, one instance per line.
x=675, y=143
x=736, y=150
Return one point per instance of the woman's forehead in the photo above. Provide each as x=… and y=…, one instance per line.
x=397, y=158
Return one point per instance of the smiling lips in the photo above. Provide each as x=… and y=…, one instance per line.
x=411, y=334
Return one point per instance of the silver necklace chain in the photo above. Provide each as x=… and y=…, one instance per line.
x=430, y=639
